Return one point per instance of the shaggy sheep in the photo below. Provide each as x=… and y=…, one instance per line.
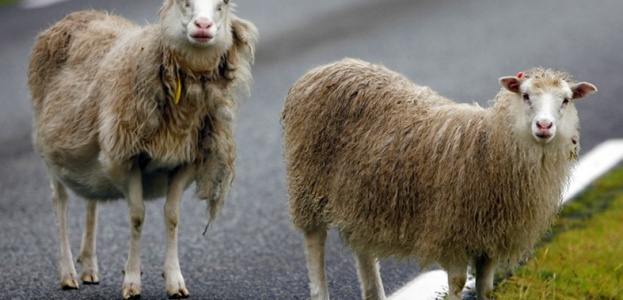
x=402, y=171
x=139, y=113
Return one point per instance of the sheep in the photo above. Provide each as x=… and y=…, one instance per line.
x=139, y=112
x=401, y=171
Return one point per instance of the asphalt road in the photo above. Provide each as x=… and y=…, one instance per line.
x=459, y=48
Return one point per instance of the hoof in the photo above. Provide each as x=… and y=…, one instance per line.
x=90, y=278
x=70, y=283
x=176, y=289
x=178, y=294
x=131, y=292
x=69, y=286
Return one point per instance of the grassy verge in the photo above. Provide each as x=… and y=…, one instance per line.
x=7, y=2
x=583, y=257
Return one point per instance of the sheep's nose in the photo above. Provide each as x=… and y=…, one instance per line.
x=203, y=23
x=544, y=125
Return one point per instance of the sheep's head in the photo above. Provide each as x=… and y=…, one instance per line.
x=547, y=98
x=202, y=23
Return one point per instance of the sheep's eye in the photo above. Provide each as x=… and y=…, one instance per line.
x=220, y=6
x=526, y=97
x=565, y=101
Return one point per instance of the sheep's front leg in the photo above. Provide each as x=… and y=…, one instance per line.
x=314, y=252
x=66, y=268
x=485, y=270
x=457, y=276
x=134, y=195
x=176, y=288
x=369, y=277
x=88, y=257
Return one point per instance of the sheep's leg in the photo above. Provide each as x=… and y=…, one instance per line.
x=314, y=252
x=88, y=257
x=457, y=276
x=485, y=270
x=134, y=195
x=176, y=288
x=66, y=268
x=369, y=277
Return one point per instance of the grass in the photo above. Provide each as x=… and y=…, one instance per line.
x=583, y=256
x=7, y=2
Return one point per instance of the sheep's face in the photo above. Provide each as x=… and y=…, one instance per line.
x=202, y=23
x=548, y=102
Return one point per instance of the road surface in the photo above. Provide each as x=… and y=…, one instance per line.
x=459, y=48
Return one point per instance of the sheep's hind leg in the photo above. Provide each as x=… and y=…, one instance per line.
x=485, y=270
x=88, y=257
x=369, y=277
x=66, y=268
x=457, y=276
x=176, y=288
x=314, y=253
x=134, y=195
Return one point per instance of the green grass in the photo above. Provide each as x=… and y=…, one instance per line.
x=583, y=256
x=7, y=2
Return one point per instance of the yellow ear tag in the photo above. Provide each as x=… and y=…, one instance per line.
x=178, y=91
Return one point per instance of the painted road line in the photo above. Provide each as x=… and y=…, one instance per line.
x=595, y=163
x=430, y=285
x=30, y=4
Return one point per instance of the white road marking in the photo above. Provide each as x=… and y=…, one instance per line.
x=431, y=285
x=30, y=4
x=427, y=286
x=594, y=164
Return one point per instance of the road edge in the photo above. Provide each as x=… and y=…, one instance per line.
x=432, y=284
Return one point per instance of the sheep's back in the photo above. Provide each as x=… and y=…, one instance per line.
x=64, y=61
x=68, y=54
x=335, y=118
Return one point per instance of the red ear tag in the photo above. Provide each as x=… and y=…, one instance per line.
x=520, y=75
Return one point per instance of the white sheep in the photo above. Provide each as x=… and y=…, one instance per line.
x=123, y=111
x=401, y=171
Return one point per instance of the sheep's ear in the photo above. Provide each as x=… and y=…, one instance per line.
x=511, y=83
x=583, y=89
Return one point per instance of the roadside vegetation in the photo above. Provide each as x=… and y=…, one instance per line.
x=582, y=258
